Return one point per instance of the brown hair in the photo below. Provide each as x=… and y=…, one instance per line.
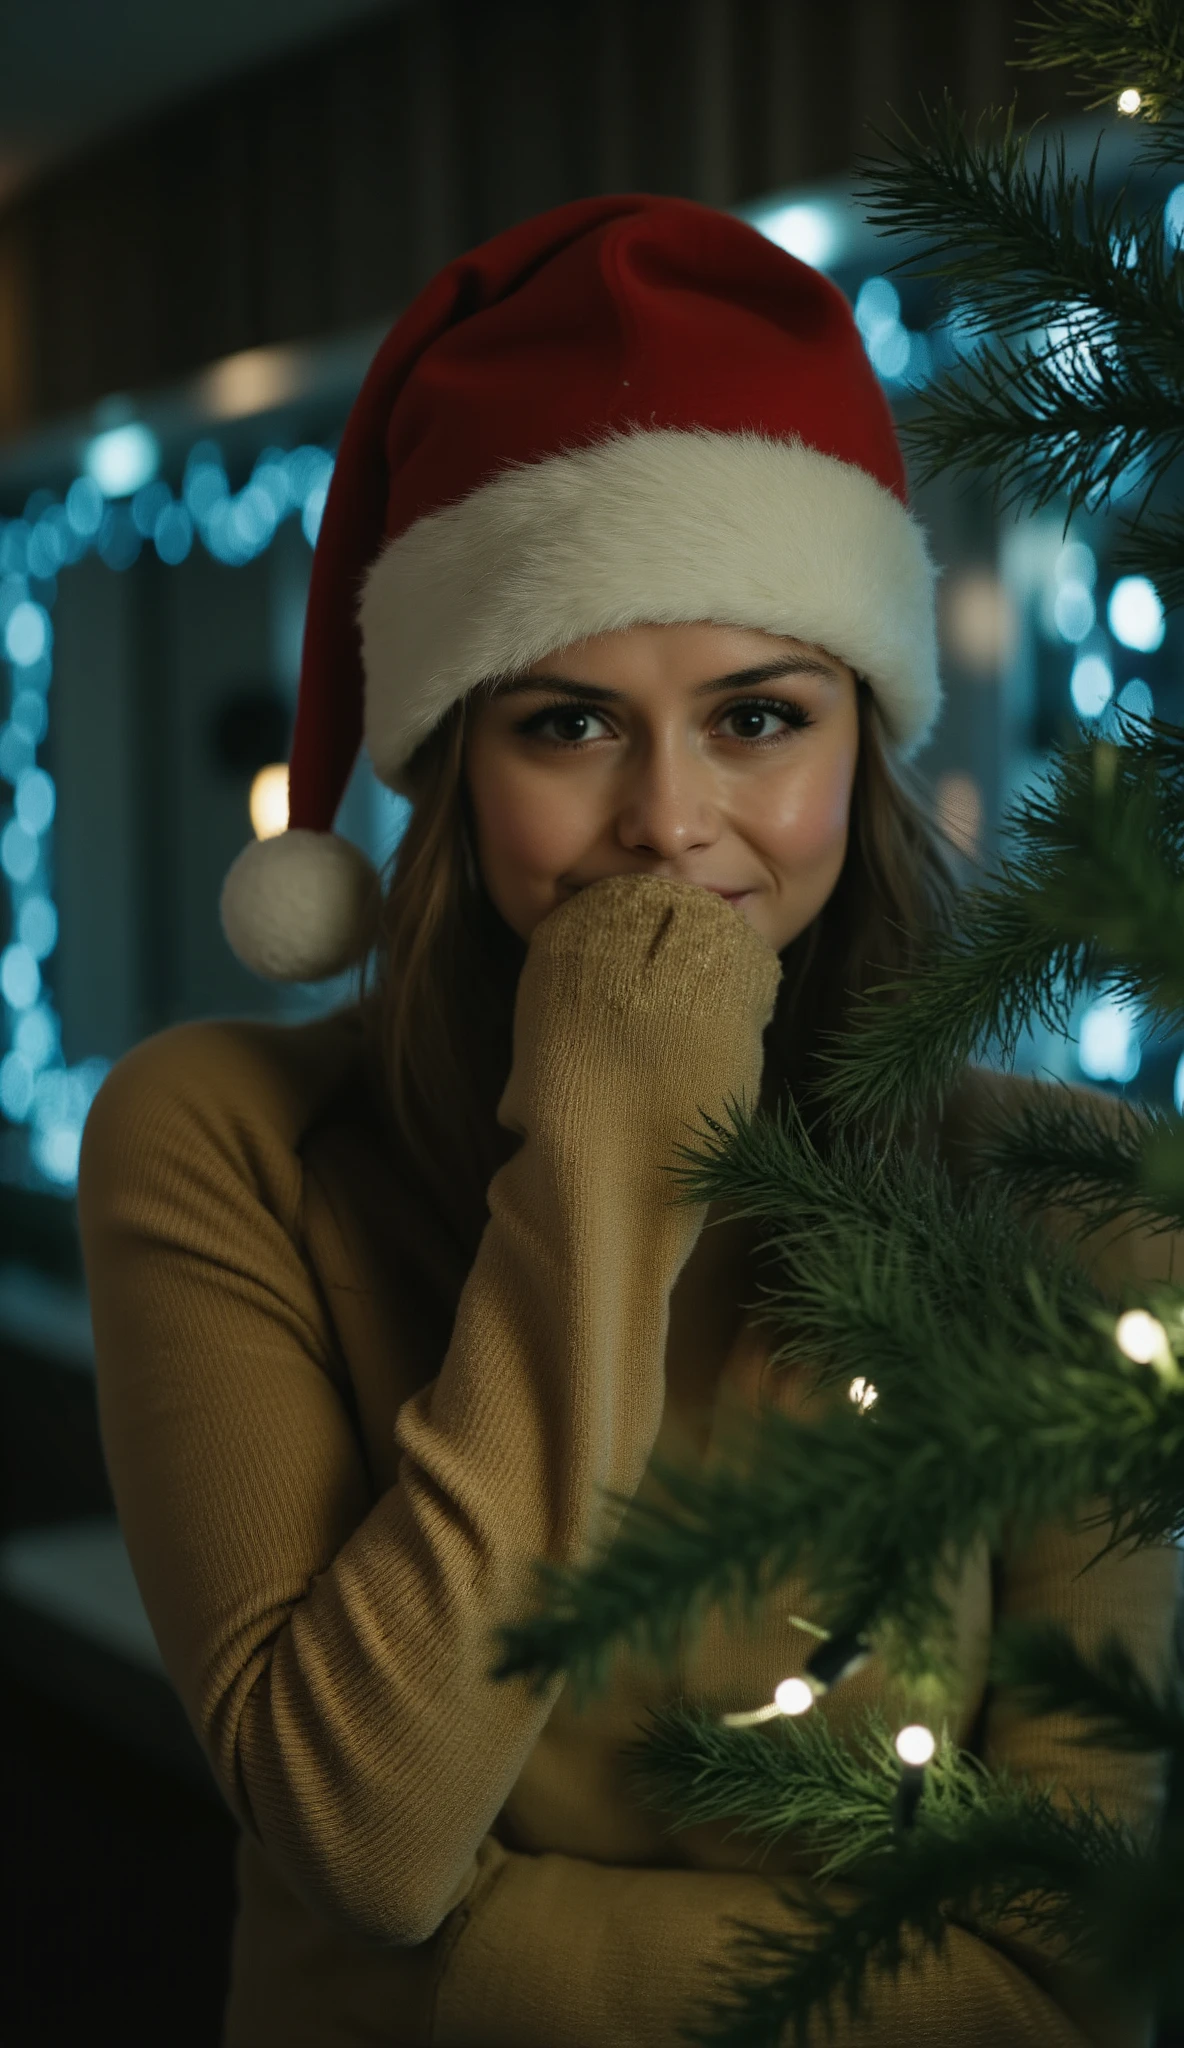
x=441, y=1007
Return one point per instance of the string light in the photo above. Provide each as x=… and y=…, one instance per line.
x=793, y=1696
x=1130, y=101
x=915, y=1746
x=836, y=1658
x=38, y=1090
x=1142, y=1338
x=862, y=1393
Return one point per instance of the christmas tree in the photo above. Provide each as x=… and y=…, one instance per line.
x=986, y=1335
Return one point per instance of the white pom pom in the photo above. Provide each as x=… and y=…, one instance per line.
x=300, y=906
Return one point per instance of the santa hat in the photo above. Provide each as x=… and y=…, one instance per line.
x=627, y=410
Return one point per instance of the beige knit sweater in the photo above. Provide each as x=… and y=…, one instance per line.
x=335, y=1457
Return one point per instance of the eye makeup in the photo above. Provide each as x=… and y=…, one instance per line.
x=794, y=717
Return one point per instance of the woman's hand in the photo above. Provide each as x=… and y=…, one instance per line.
x=656, y=992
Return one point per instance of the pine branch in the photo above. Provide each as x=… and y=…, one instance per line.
x=1161, y=142
x=1049, y=1872
x=1119, y=1708
x=974, y=1434
x=1056, y=1150
x=960, y=1245
x=1093, y=891
x=1116, y=876
x=1056, y=421
x=1112, y=44
x=1023, y=244
x=1022, y=241
x=796, y=1778
x=791, y=1778
x=984, y=1846
x=1154, y=546
x=1163, y=1171
x=1002, y=1401
x=981, y=987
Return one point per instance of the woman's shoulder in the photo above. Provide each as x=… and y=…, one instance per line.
x=241, y=1093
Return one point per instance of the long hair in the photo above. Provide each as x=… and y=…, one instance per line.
x=439, y=1004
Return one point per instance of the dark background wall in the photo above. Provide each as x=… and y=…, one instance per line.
x=320, y=192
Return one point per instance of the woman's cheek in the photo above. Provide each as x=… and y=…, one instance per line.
x=809, y=828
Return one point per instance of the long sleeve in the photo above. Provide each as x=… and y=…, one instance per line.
x=1133, y=1595
x=628, y=1954
x=334, y=1655
x=555, y=1948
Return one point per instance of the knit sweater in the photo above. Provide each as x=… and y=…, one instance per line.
x=335, y=1457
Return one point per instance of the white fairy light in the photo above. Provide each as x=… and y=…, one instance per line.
x=1140, y=1335
x=1130, y=101
x=915, y=1745
x=794, y=1696
x=862, y=1393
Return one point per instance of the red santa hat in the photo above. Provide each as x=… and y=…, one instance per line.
x=630, y=409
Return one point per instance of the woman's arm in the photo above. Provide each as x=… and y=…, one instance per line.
x=555, y=1948
x=333, y=1660
x=1133, y=1595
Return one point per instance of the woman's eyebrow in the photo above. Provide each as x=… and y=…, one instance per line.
x=744, y=678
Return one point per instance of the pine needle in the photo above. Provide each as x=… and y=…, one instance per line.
x=1112, y=45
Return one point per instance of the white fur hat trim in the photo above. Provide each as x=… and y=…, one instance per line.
x=658, y=526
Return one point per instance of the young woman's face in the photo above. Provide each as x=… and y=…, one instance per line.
x=646, y=752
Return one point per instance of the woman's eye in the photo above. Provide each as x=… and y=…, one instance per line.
x=790, y=717
x=558, y=714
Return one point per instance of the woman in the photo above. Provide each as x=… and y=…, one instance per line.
x=385, y=1305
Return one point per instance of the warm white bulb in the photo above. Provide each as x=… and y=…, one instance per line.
x=862, y=1393
x=269, y=801
x=1130, y=101
x=1142, y=1337
x=915, y=1744
x=793, y=1696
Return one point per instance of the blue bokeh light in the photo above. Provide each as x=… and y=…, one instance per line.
x=17, y=1081
x=811, y=230
x=37, y=1088
x=37, y=1036
x=37, y=926
x=36, y=801
x=147, y=506
x=1135, y=698
x=123, y=459
x=173, y=537
x=18, y=852
x=1073, y=611
x=17, y=752
x=20, y=977
x=84, y=506
x=119, y=543
x=1108, y=1046
x=28, y=634
x=1091, y=685
x=1135, y=614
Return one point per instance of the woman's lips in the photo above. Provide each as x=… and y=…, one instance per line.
x=729, y=895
